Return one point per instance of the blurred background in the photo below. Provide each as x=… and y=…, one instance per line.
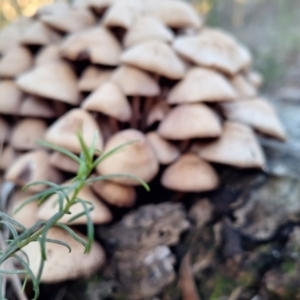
x=271, y=28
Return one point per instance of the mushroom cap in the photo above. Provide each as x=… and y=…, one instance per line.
x=214, y=49
x=243, y=87
x=109, y=99
x=120, y=14
x=7, y=157
x=115, y=194
x=165, y=152
x=70, y=20
x=99, y=215
x=147, y=28
x=156, y=57
x=158, y=112
x=53, y=8
x=200, y=84
x=11, y=35
x=10, y=91
x=63, y=162
x=190, y=173
x=4, y=131
x=174, y=13
x=63, y=131
x=30, y=167
x=93, y=78
x=40, y=34
x=96, y=44
x=257, y=113
x=190, y=121
x=60, y=264
x=100, y=5
x=53, y=80
x=26, y=132
x=27, y=216
x=15, y=62
x=48, y=54
x=255, y=78
x=237, y=146
x=136, y=159
x=35, y=107
x=135, y=82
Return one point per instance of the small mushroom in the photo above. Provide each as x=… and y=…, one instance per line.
x=110, y=100
x=88, y=44
x=115, y=194
x=93, y=78
x=158, y=112
x=15, y=62
x=60, y=264
x=156, y=57
x=202, y=85
x=99, y=215
x=30, y=167
x=257, y=113
x=216, y=49
x=244, y=88
x=165, y=152
x=188, y=121
x=26, y=132
x=255, y=78
x=237, y=147
x=39, y=34
x=147, y=28
x=70, y=20
x=9, y=90
x=63, y=131
x=136, y=159
x=190, y=173
x=53, y=80
x=48, y=54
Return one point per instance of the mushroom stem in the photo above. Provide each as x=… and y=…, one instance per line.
x=147, y=107
x=113, y=124
x=135, y=112
x=184, y=145
x=60, y=107
x=178, y=196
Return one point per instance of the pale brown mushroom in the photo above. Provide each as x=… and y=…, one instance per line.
x=30, y=167
x=63, y=162
x=48, y=54
x=214, y=49
x=15, y=62
x=165, y=152
x=10, y=91
x=115, y=194
x=254, y=78
x=53, y=80
x=174, y=13
x=92, y=78
x=190, y=173
x=4, y=131
x=70, y=20
x=27, y=216
x=202, y=85
x=96, y=44
x=243, y=87
x=7, y=157
x=257, y=113
x=110, y=100
x=62, y=264
x=188, y=121
x=40, y=34
x=136, y=159
x=147, y=28
x=134, y=81
x=35, y=107
x=63, y=131
x=26, y=132
x=99, y=215
x=156, y=57
x=53, y=8
x=237, y=147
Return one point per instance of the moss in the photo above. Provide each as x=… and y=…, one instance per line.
x=223, y=287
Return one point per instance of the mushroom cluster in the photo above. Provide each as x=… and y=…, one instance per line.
x=145, y=70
